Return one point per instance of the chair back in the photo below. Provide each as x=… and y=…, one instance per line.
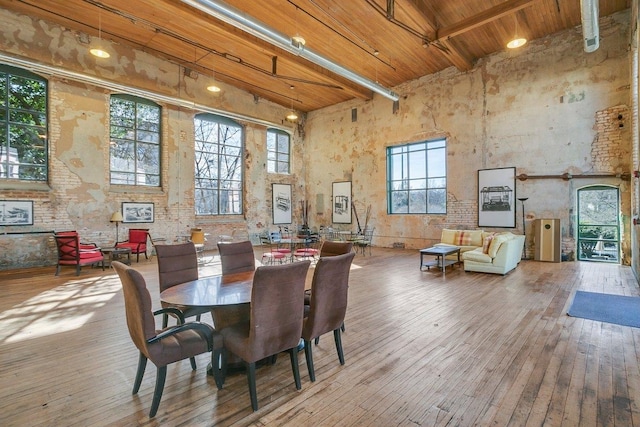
x=176, y=264
x=236, y=257
x=277, y=305
x=138, y=235
x=330, y=248
x=197, y=237
x=138, y=308
x=328, y=304
x=68, y=244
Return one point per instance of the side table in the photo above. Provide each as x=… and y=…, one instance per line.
x=116, y=254
x=440, y=252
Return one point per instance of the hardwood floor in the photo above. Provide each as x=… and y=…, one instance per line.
x=470, y=350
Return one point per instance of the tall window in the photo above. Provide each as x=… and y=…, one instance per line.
x=278, y=143
x=417, y=178
x=135, y=141
x=23, y=125
x=218, y=165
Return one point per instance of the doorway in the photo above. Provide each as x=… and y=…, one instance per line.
x=599, y=224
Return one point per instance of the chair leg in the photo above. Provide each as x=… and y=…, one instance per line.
x=342, y=327
x=338, y=340
x=193, y=363
x=165, y=320
x=157, y=393
x=308, y=355
x=251, y=378
x=218, y=364
x=57, y=269
x=142, y=364
x=293, y=354
x=77, y=269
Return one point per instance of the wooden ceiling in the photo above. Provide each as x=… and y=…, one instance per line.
x=384, y=41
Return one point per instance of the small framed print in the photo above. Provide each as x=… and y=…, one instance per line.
x=281, y=204
x=341, y=203
x=137, y=212
x=16, y=212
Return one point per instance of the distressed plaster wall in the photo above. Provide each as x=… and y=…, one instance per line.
x=79, y=196
x=542, y=109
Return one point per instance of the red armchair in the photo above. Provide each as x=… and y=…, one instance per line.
x=137, y=242
x=72, y=252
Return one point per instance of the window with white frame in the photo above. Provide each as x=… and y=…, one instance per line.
x=417, y=178
x=278, y=151
x=134, y=141
x=23, y=125
x=218, y=165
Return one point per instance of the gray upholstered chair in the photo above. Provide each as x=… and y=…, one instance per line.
x=236, y=257
x=178, y=264
x=165, y=346
x=275, y=324
x=328, y=304
x=330, y=248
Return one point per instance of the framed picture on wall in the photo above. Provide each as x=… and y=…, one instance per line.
x=281, y=204
x=496, y=197
x=16, y=212
x=341, y=203
x=137, y=212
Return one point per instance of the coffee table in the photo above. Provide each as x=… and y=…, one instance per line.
x=440, y=252
x=116, y=254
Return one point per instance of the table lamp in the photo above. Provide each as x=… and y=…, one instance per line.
x=117, y=218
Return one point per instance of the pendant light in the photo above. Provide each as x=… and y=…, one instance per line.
x=97, y=49
x=291, y=115
x=517, y=41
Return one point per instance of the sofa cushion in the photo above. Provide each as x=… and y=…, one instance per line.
x=498, y=240
x=486, y=241
x=461, y=237
x=477, y=255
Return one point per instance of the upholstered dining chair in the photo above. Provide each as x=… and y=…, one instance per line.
x=328, y=304
x=137, y=242
x=275, y=324
x=165, y=346
x=178, y=264
x=74, y=253
x=236, y=257
x=330, y=248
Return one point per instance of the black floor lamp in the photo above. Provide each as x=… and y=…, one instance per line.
x=524, y=228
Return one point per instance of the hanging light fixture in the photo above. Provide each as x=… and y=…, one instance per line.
x=97, y=49
x=517, y=41
x=291, y=115
x=297, y=40
x=213, y=87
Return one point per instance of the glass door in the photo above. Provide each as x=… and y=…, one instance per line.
x=598, y=224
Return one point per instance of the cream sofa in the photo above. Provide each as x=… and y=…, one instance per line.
x=466, y=240
x=503, y=255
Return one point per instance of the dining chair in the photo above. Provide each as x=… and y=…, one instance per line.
x=364, y=241
x=270, y=253
x=198, y=238
x=328, y=304
x=236, y=257
x=178, y=264
x=72, y=252
x=137, y=242
x=275, y=324
x=165, y=346
x=330, y=248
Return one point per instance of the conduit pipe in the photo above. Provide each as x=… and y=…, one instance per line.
x=246, y=23
x=39, y=68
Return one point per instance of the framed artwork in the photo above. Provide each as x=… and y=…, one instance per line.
x=281, y=204
x=137, y=212
x=341, y=203
x=16, y=212
x=496, y=198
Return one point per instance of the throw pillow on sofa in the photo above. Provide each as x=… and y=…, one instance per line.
x=497, y=241
x=486, y=241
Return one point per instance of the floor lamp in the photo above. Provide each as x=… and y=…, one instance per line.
x=524, y=228
x=117, y=218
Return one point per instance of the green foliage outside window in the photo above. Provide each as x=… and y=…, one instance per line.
x=23, y=125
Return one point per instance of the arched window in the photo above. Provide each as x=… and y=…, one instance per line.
x=218, y=165
x=278, y=151
x=23, y=125
x=135, y=141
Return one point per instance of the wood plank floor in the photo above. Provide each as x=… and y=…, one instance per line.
x=470, y=350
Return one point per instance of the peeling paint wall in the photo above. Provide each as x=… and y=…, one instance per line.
x=544, y=109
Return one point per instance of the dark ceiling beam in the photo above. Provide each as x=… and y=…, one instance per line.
x=482, y=18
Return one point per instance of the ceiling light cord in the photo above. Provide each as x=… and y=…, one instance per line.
x=242, y=21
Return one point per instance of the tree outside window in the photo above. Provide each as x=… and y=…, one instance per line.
x=135, y=141
x=417, y=178
x=278, y=151
x=23, y=125
x=218, y=165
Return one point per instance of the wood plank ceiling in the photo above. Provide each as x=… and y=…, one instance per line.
x=384, y=41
